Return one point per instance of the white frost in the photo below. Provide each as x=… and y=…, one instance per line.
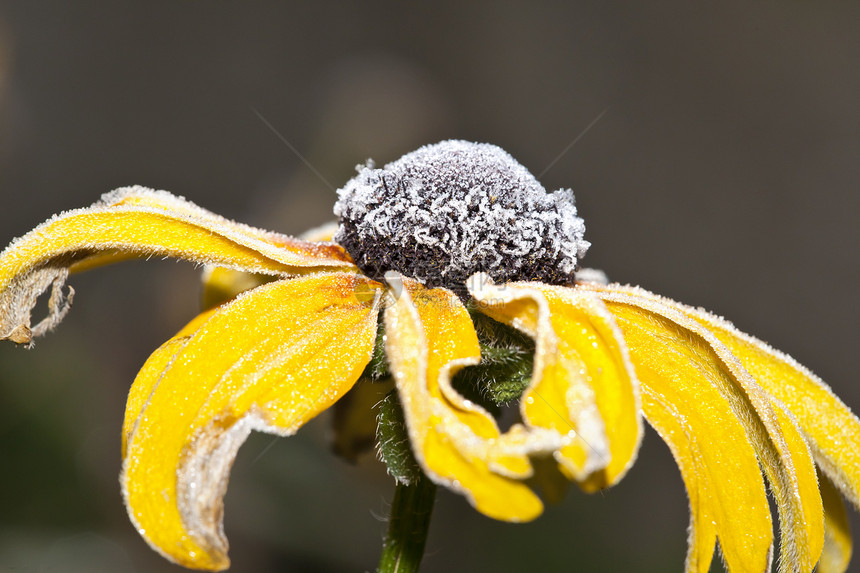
x=473, y=201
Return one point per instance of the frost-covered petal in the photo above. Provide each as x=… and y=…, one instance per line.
x=681, y=399
x=429, y=336
x=138, y=222
x=773, y=431
x=583, y=383
x=220, y=285
x=269, y=360
x=837, y=531
x=149, y=375
x=832, y=430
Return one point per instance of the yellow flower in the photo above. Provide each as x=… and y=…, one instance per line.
x=446, y=232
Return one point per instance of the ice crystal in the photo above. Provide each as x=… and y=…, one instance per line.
x=448, y=210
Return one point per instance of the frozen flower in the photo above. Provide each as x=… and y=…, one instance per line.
x=457, y=258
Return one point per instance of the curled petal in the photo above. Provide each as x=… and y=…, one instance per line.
x=583, y=383
x=138, y=222
x=774, y=433
x=269, y=360
x=429, y=336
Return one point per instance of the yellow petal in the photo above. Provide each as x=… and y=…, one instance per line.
x=138, y=222
x=583, y=383
x=780, y=447
x=798, y=499
x=682, y=401
x=221, y=285
x=837, y=531
x=305, y=252
x=150, y=374
x=270, y=360
x=832, y=430
x=429, y=337
x=677, y=432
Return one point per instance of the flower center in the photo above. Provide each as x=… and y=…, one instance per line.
x=449, y=210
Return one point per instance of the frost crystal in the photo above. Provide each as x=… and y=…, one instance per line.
x=446, y=211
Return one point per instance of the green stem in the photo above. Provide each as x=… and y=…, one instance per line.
x=407, y=527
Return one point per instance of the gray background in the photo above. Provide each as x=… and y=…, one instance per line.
x=724, y=173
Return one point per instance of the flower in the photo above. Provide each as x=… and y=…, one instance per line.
x=433, y=242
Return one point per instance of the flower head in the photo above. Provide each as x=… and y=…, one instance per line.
x=473, y=268
x=446, y=211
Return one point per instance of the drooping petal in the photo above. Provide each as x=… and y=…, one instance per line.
x=837, y=531
x=832, y=430
x=781, y=449
x=290, y=251
x=221, y=285
x=678, y=435
x=138, y=222
x=149, y=375
x=583, y=382
x=682, y=401
x=429, y=337
x=269, y=360
x=801, y=516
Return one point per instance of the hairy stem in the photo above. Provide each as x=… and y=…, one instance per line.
x=407, y=526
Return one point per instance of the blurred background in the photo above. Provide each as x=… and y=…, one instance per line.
x=714, y=151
